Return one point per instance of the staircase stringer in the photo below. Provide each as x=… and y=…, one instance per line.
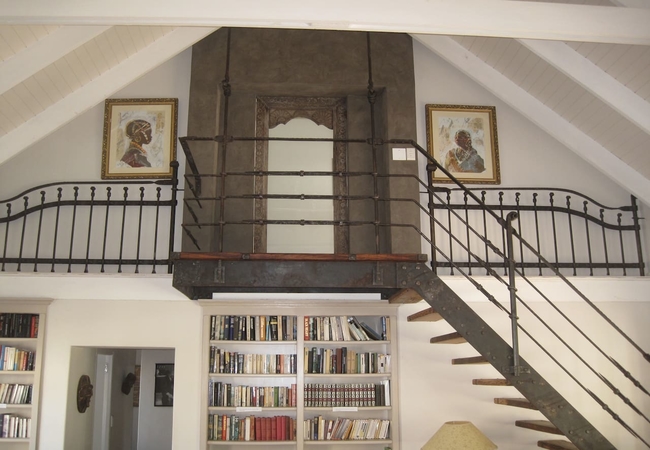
x=498, y=352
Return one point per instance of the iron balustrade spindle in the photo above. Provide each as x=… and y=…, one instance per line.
x=74, y=220
x=539, y=262
x=518, y=210
x=108, y=204
x=155, y=232
x=38, y=233
x=591, y=270
x=637, y=232
x=432, y=228
x=551, y=201
x=90, y=226
x=620, y=235
x=602, y=218
x=137, y=254
x=56, y=226
x=485, y=232
x=573, y=249
x=22, y=233
x=469, y=250
x=124, y=203
x=503, y=231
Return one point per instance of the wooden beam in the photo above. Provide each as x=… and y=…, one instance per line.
x=496, y=18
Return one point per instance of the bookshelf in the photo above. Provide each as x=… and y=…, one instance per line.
x=22, y=327
x=311, y=378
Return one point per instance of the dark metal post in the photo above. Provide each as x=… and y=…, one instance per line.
x=513, y=294
x=371, y=100
x=172, y=214
x=432, y=231
x=637, y=234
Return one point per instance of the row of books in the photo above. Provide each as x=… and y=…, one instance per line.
x=12, y=358
x=344, y=328
x=18, y=325
x=253, y=328
x=251, y=428
x=344, y=360
x=15, y=426
x=17, y=394
x=225, y=394
x=347, y=394
x=223, y=361
x=321, y=429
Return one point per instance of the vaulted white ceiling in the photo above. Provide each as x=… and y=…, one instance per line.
x=579, y=69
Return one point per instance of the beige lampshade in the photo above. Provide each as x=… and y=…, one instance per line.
x=459, y=435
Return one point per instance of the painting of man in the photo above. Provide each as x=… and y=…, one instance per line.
x=464, y=157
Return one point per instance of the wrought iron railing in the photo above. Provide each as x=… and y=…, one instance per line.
x=98, y=226
x=576, y=233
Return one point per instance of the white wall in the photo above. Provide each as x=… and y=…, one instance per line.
x=78, y=426
x=155, y=430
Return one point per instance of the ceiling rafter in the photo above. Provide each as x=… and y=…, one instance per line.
x=44, y=52
x=94, y=92
x=514, y=19
x=538, y=113
x=594, y=79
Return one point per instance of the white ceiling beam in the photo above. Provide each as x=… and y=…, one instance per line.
x=97, y=90
x=594, y=79
x=514, y=19
x=44, y=52
x=538, y=113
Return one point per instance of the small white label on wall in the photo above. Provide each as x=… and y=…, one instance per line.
x=410, y=154
x=399, y=154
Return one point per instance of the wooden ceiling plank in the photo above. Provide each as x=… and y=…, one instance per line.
x=538, y=113
x=87, y=62
x=43, y=53
x=595, y=80
x=37, y=91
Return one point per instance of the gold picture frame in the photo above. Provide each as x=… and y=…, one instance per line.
x=463, y=139
x=139, y=137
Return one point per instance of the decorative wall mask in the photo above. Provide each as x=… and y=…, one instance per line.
x=84, y=393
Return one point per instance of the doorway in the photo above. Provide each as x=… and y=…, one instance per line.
x=122, y=415
x=321, y=117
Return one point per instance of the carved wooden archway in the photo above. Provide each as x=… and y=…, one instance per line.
x=329, y=112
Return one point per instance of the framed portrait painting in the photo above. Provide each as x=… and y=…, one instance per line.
x=139, y=137
x=164, y=385
x=463, y=139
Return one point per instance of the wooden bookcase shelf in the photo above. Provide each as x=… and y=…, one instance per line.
x=20, y=318
x=304, y=346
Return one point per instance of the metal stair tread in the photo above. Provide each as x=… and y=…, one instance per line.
x=426, y=315
x=557, y=445
x=451, y=338
x=538, y=425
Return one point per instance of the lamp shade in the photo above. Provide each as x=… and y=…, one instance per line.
x=459, y=435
